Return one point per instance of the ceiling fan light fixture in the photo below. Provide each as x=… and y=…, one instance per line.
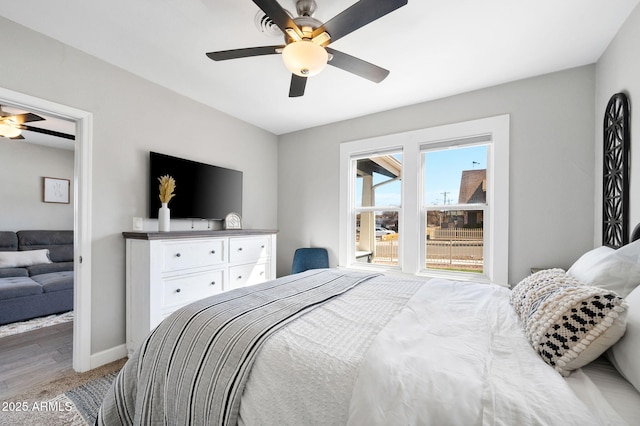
x=9, y=131
x=304, y=58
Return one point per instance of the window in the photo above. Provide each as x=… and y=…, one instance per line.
x=430, y=202
x=454, y=203
x=378, y=206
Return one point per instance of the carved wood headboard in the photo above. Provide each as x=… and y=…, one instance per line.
x=615, y=191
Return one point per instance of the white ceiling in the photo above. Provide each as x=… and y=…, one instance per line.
x=433, y=49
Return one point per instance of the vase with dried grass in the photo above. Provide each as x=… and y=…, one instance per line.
x=167, y=186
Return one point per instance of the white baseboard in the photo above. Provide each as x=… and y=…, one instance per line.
x=107, y=356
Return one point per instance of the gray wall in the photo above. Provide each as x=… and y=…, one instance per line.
x=618, y=70
x=551, y=164
x=22, y=167
x=132, y=116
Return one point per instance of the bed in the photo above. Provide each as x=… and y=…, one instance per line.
x=333, y=346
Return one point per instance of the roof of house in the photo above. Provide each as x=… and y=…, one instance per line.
x=473, y=186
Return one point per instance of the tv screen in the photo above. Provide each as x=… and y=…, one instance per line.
x=203, y=191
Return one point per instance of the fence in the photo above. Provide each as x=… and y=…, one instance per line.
x=386, y=251
x=455, y=234
x=460, y=254
x=455, y=253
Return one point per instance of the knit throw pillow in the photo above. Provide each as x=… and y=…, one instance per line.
x=568, y=323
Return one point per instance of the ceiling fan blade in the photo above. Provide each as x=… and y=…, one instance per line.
x=357, y=66
x=223, y=55
x=278, y=15
x=358, y=15
x=297, y=86
x=24, y=118
x=47, y=132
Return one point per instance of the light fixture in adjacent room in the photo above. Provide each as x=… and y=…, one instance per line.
x=305, y=58
x=8, y=130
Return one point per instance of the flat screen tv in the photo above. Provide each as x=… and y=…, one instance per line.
x=203, y=191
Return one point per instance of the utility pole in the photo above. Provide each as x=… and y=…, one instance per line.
x=445, y=197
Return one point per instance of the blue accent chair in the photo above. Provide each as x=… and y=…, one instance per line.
x=309, y=258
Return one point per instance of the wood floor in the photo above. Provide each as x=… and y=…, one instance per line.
x=34, y=358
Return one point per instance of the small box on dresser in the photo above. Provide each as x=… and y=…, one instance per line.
x=168, y=270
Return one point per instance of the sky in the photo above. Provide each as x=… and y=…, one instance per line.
x=444, y=169
x=443, y=172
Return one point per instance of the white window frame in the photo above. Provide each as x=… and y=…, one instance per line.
x=412, y=236
x=350, y=229
x=484, y=140
x=379, y=208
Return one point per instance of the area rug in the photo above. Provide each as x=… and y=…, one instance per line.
x=70, y=401
x=86, y=399
x=32, y=324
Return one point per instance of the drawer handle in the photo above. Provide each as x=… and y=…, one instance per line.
x=178, y=255
x=213, y=283
x=178, y=290
x=213, y=252
x=262, y=246
x=239, y=248
x=239, y=277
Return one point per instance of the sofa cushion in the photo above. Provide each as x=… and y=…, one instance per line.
x=49, y=267
x=55, y=281
x=8, y=241
x=59, y=243
x=18, y=287
x=13, y=272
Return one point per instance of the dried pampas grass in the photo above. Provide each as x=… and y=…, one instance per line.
x=167, y=186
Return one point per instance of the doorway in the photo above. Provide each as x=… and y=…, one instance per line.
x=82, y=214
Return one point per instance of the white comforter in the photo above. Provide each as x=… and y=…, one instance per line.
x=441, y=353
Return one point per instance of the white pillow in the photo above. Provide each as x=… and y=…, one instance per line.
x=20, y=259
x=624, y=355
x=587, y=260
x=616, y=270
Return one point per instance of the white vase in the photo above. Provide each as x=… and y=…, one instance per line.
x=164, y=218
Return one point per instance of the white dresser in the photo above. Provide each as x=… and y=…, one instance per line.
x=167, y=270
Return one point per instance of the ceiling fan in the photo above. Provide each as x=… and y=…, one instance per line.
x=305, y=52
x=11, y=126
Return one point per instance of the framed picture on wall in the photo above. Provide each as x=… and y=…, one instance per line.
x=55, y=190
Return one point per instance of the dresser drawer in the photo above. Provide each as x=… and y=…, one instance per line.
x=192, y=254
x=240, y=276
x=185, y=289
x=248, y=249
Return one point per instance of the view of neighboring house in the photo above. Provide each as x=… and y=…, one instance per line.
x=473, y=187
x=473, y=190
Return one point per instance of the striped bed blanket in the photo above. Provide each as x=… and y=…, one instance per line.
x=193, y=367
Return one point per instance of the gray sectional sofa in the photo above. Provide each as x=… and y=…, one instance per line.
x=38, y=289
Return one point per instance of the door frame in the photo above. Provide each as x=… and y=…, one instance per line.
x=81, y=217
